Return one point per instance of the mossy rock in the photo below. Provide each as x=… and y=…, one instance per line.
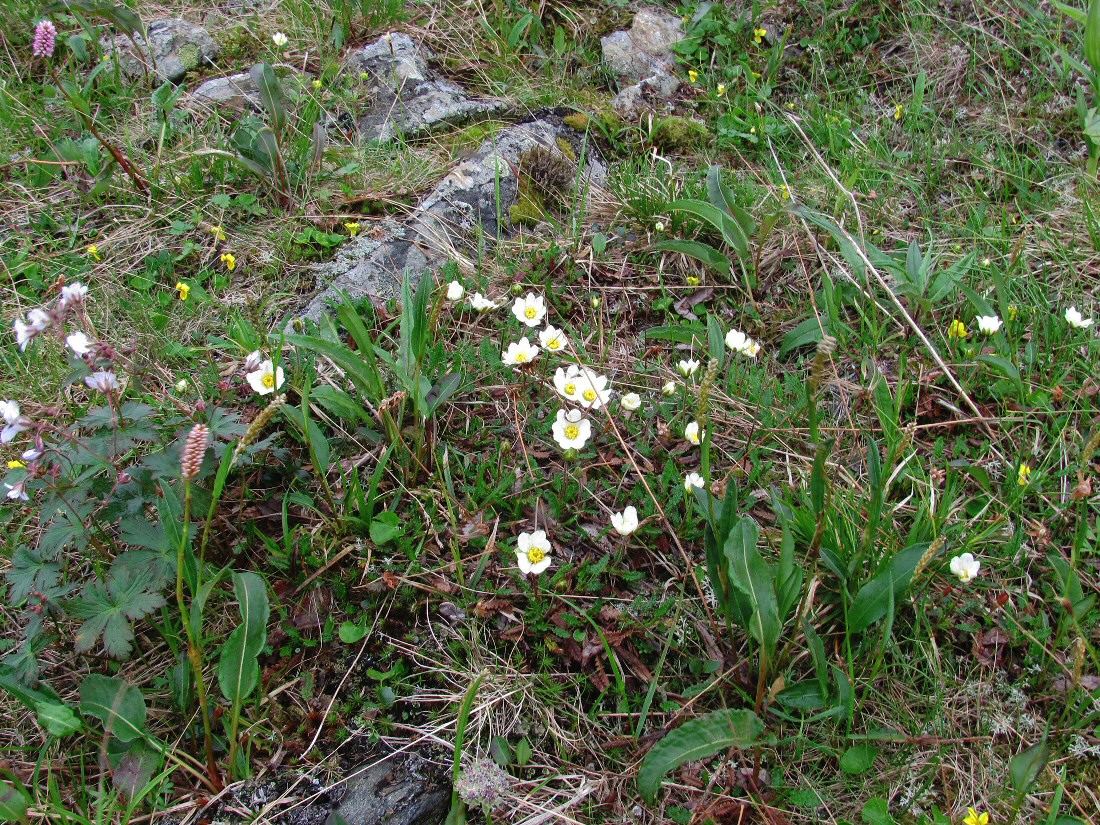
x=679, y=134
x=528, y=210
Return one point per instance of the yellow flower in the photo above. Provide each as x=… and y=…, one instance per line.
x=1013, y=312
x=16, y=464
x=692, y=280
x=183, y=289
x=975, y=818
x=352, y=227
x=758, y=34
x=230, y=261
x=721, y=90
x=899, y=110
x=93, y=252
x=785, y=192
x=1023, y=474
x=693, y=75
x=218, y=233
x=318, y=85
x=957, y=329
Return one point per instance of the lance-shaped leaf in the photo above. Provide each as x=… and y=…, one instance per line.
x=750, y=574
x=239, y=667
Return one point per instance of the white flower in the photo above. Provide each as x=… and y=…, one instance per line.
x=631, y=401
x=1075, y=319
x=625, y=522
x=553, y=339
x=33, y=454
x=79, y=343
x=565, y=381
x=279, y=39
x=253, y=360
x=74, y=293
x=38, y=318
x=592, y=391
x=688, y=367
x=520, y=352
x=16, y=492
x=659, y=226
x=455, y=291
x=988, y=324
x=571, y=430
x=669, y=388
x=14, y=422
x=965, y=567
x=181, y=385
x=737, y=341
x=532, y=552
x=529, y=310
x=481, y=303
x=265, y=379
x=693, y=481
x=693, y=434
x=105, y=381
x=25, y=331
x=23, y=334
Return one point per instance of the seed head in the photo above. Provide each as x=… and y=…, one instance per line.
x=193, y=451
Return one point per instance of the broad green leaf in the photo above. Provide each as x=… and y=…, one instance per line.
x=1025, y=766
x=858, y=759
x=118, y=705
x=679, y=333
x=809, y=331
x=13, y=803
x=1001, y=365
x=732, y=234
x=271, y=95
x=877, y=812
x=750, y=574
x=386, y=527
x=362, y=372
x=888, y=585
x=58, y=719
x=238, y=665
x=350, y=633
x=698, y=250
x=720, y=195
x=697, y=739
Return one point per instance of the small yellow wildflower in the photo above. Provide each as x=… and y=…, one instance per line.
x=218, y=233
x=229, y=260
x=183, y=289
x=692, y=280
x=758, y=34
x=352, y=227
x=785, y=192
x=1013, y=312
x=317, y=85
x=752, y=130
x=16, y=464
x=693, y=75
x=957, y=329
x=899, y=110
x=93, y=252
x=975, y=818
x=1023, y=475
x=721, y=90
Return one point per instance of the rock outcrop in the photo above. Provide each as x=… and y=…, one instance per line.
x=172, y=48
x=642, y=57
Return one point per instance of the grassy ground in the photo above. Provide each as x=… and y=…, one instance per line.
x=385, y=527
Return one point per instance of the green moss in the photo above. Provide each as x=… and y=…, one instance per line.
x=189, y=56
x=529, y=209
x=578, y=120
x=566, y=148
x=681, y=134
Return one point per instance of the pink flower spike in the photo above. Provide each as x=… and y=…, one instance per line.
x=45, y=39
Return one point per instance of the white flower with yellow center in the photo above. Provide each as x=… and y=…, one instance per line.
x=688, y=367
x=966, y=567
x=988, y=324
x=566, y=381
x=520, y=352
x=631, y=401
x=752, y=348
x=625, y=522
x=530, y=309
x=532, y=552
x=279, y=39
x=693, y=481
x=265, y=379
x=693, y=434
x=592, y=389
x=481, y=303
x=553, y=339
x=571, y=429
x=737, y=341
x=79, y=343
x=455, y=291
x=1075, y=319
x=669, y=388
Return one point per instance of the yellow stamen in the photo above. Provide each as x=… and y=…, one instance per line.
x=535, y=555
x=572, y=431
x=269, y=379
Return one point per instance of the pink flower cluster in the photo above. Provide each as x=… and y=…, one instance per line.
x=45, y=39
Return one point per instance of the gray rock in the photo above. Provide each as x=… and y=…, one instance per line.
x=645, y=49
x=236, y=93
x=651, y=94
x=405, y=96
x=402, y=790
x=174, y=46
x=467, y=200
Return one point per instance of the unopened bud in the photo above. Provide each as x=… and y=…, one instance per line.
x=193, y=451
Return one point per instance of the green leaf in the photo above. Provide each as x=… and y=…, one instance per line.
x=13, y=803
x=807, y=332
x=362, y=372
x=238, y=665
x=1001, y=365
x=698, y=250
x=58, y=719
x=678, y=333
x=108, y=608
x=386, y=527
x=731, y=232
x=1025, y=766
x=697, y=739
x=271, y=95
x=858, y=759
x=877, y=812
x=351, y=633
x=750, y=574
x=886, y=587
x=523, y=752
x=118, y=705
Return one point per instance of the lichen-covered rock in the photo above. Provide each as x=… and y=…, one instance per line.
x=405, y=97
x=173, y=48
x=402, y=790
x=645, y=49
x=235, y=93
x=463, y=206
x=649, y=95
